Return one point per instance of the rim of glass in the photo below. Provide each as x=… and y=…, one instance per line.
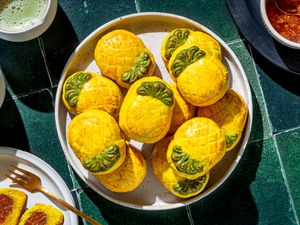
x=39, y=23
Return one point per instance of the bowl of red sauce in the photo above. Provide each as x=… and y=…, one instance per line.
x=283, y=27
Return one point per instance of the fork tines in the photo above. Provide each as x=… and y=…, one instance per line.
x=18, y=178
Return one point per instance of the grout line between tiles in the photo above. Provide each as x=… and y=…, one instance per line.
x=188, y=210
x=286, y=182
x=71, y=174
x=262, y=93
x=41, y=44
x=235, y=41
x=30, y=93
x=137, y=6
x=78, y=192
x=287, y=130
x=275, y=141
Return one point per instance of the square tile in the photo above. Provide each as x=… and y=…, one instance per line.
x=254, y=194
x=57, y=46
x=23, y=66
x=111, y=213
x=282, y=95
x=261, y=128
x=289, y=146
x=211, y=13
x=28, y=123
x=87, y=15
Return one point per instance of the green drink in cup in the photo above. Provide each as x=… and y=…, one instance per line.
x=22, y=20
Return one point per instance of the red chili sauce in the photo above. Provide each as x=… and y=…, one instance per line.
x=287, y=26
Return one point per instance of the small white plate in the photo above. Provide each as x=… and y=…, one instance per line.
x=2, y=87
x=49, y=177
x=152, y=28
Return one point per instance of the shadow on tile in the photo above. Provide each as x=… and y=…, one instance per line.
x=12, y=130
x=116, y=214
x=287, y=80
x=23, y=66
x=58, y=43
x=257, y=130
x=232, y=203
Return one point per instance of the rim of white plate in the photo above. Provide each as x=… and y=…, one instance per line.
x=47, y=169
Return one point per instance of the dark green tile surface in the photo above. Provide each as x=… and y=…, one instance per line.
x=12, y=130
x=261, y=127
x=289, y=150
x=112, y=213
x=27, y=123
x=259, y=191
x=254, y=194
x=212, y=14
x=283, y=101
x=87, y=15
x=24, y=67
x=57, y=44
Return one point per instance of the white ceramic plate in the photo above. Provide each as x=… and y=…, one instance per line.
x=49, y=177
x=151, y=28
x=2, y=87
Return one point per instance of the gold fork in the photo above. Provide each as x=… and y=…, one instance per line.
x=32, y=182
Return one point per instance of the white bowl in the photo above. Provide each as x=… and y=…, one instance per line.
x=34, y=31
x=152, y=28
x=271, y=29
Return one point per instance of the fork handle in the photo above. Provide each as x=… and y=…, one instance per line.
x=68, y=206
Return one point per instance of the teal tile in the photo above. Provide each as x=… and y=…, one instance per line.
x=111, y=213
x=211, y=13
x=289, y=146
x=85, y=16
x=282, y=95
x=91, y=208
x=254, y=194
x=33, y=117
x=23, y=65
x=261, y=128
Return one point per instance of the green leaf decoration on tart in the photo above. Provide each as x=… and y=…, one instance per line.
x=157, y=90
x=139, y=69
x=184, y=58
x=74, y=86
x=187, y=186
x=230, y=139
x=177, y=39
x=103, y=161
x=184, y=163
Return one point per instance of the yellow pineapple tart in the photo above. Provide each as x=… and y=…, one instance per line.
x=230, y=113
x=123, y=57
x=147, y=109
x=183, y=111
x=198, y=145
x=12, y=205
x=201, y=78
x=86, y=90
x=179, y=186
x=96, y=140
x=185, y=36
x=42, y=214
x=129, y=175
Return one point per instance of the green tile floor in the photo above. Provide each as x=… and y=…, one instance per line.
x=264, y=188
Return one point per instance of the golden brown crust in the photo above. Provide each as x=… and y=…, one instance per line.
x=42, y=214
x=12, y=205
